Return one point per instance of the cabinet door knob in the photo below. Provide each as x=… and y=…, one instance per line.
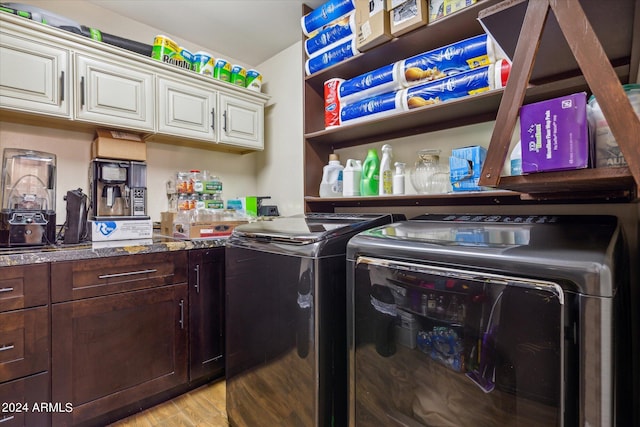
x=213, y=119
x=6, y=290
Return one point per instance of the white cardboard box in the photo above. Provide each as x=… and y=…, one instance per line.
x=121, y=229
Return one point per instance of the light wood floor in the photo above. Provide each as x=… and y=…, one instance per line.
x=202, y=407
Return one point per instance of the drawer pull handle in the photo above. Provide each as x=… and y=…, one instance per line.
x=181, y=314
x=197, y=285
x=5, y=419
x=6, y=289
x=7, y=347
x=130, y=273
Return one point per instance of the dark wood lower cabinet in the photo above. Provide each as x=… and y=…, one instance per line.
x=27, y=402
x=111, y=351
x=206, y=306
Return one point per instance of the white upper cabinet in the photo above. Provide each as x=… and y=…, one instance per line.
x=113, y=94
x=34, y=76
x=48, y=71
x=186, y=110
x=242, y=122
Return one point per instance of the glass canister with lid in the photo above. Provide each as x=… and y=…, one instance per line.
x=428, y=176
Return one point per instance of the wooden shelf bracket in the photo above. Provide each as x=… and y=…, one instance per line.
x=595, y=66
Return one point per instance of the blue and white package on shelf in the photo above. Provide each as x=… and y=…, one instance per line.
x=371, y=108
x=477, y=80
x=448, y=60
x=325, y=14
x=342, y=51
x=380, y=80
x=331, y=35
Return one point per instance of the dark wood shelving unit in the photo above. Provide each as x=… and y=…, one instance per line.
x=557, y=37
x=553, y=74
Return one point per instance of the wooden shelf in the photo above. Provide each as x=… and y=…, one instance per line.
x=575, y=183
x=457, y=112
x=499, y=197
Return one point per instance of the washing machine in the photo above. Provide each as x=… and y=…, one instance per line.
x=286, y=351
x=480, y=320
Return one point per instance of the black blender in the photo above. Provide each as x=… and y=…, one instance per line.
x=28, y=215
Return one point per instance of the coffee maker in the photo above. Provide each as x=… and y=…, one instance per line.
x=28, y=215
x=118, y=189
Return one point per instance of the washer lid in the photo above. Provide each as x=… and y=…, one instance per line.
x=309, y=228
x=504, y=231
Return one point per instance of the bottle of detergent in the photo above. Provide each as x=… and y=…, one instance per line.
x=370, y=174
x=385, y=187
x=331, y=185
x=351, y=176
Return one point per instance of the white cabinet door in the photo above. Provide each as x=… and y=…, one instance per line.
x=186, y=110
x=242, y=122
x=34, y=77
x=114, y=94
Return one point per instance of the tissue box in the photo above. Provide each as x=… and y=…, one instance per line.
x=465, y=166
x=554, y=134
x=372, y=23
x=121, y=229
x=115, y=144
x=408, y=16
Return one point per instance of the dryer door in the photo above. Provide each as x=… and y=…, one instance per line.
x=449, y=347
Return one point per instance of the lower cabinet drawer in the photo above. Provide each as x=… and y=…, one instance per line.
x=27, y=402
x=24, y=342
x=74, y=280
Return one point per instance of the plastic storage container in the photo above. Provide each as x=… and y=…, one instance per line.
x=331, y=185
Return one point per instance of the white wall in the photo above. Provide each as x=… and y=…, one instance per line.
x=279, y=168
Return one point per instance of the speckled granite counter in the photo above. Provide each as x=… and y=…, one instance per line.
x=55, y=253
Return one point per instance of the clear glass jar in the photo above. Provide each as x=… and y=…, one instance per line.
x=428, y=176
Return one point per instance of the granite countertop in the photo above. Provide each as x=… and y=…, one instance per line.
x=89, y=250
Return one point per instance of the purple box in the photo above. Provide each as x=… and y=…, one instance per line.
x=554, y=134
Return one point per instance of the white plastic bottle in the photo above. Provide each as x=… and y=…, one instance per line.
x=331, y=185
x=351, y=176
x=398, y=178
x=386, y=172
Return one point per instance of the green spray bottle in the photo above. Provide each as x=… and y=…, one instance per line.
x=370, y=174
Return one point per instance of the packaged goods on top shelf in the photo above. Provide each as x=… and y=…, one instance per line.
x=325, y=15
x=460, y=69
x=331, y=34
x=441, y=8
x=168, y=51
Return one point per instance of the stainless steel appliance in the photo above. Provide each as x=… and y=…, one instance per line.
x=490, y=321
x=118, y=188
x=28, y=215
x=285, y=319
